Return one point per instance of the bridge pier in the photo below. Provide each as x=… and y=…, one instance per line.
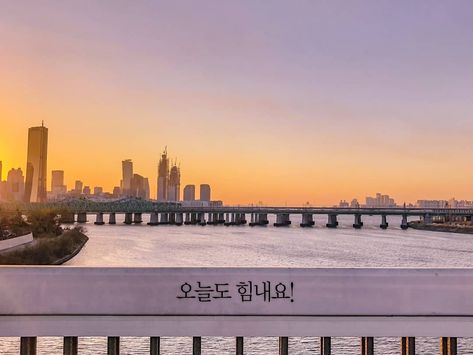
x=241, y=219
x=427, y=218
x=221, y=218
x=187, y=219
x=99, y=219
x=282, y=220
x=172, y=218
x=153, y=219
x=128, y=218
x=201, y=219
x=164, y=218
x=67, y=217
x=260, y=219
x=210, y=219
x=229, y=219
x=179, y=218
x=137, y=218
x=404, y=223
x=332, y=221
x=358, y=223
x=307, y=220
x=384, y=222
x=82, y=217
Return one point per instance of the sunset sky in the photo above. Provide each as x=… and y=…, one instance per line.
x=282, y=102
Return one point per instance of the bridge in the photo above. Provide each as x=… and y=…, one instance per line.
x=76, y=210
x=75, y=302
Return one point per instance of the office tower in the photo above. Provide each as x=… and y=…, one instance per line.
x=36, y=164
x=78, y=187
x=127, y=177
x=174, y=187
x=98, y=190
x=204, y=192
x=15, y=185
x=140, y=187
x=116, y=192
x=189, y=193
x=163, y=177
x=57, y=184
x=86, y=190
x=1, y=166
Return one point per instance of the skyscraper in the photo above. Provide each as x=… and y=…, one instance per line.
x=36, y=164
x=163, y=177
x=1, y=166
x=189, y=193
x=127, y=177
x=205, y=192
x=78, y=187
x=140, y=187
x=15, y=185
x=174, y=187
x=57, y=183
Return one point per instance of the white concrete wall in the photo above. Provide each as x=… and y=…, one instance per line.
x=84, y=301
x=14, y=242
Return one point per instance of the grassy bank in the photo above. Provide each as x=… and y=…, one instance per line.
x=443, y=227
x=48, y=249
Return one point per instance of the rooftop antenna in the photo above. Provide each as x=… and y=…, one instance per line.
x=42, y=123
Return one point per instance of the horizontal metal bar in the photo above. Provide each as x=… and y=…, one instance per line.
x=243, y=326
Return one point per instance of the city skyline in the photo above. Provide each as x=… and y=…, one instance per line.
x=342, y=101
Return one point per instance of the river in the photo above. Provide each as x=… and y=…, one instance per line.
x=219, y=246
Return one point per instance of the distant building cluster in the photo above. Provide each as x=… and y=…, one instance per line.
x=33, y=186
x=383, y=201
x=379, y=201
x=452, y=203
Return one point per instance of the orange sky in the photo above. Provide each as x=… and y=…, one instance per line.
x=287, y=107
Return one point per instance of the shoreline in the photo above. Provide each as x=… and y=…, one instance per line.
x=56, y=251
x=441, y=228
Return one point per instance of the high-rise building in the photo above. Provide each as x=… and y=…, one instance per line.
x=116, y=192
x=189, y=193
x=57, y=183
x=163, y=177
x=174, y=186
x=78, y=187
x=98, y=190
x=205, y=192
x=86, y=190
x=140, y=187
x=1, y=176
x=36, y=164
x=15, y=185
x=127, y=177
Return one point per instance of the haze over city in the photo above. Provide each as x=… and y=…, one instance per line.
x=282, y=104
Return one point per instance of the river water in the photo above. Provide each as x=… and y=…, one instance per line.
x=219, y=246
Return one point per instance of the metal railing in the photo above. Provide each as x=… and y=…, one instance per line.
x=75, y=302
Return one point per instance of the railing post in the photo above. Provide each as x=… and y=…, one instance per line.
x=408, y=346
x=283, y=345
x=28, y=346
x=70, y=345
x=325, y=346
x=239, y=346
x=367, y=346
x=448, y=346
x=196, y=346
x=113, y=346
x=155, y=346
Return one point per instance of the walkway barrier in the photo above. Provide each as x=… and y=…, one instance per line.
x=75, y=302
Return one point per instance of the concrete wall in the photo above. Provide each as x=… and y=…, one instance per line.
x=14, y=242
x=84, y=301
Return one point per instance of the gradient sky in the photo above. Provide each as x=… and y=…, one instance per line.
x=273, y=101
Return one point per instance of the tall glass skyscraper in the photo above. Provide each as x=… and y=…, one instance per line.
x=36, y=164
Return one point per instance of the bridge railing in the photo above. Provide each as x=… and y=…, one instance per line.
x=74, y=302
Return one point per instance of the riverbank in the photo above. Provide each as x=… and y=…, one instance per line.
x=50, y=250
x=442, y=227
